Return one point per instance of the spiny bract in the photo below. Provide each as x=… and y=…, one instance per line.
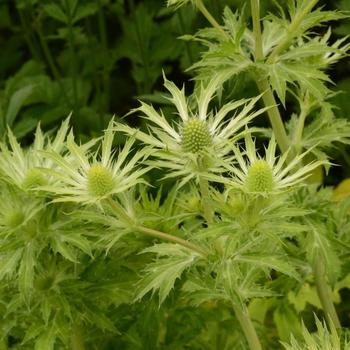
x=195, y=136
x=100, y=181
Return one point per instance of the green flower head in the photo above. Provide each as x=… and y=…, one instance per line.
x=264, y=176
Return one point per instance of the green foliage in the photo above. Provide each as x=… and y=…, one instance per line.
x=180, y=226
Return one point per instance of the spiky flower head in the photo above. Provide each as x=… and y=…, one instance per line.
x=199, y=142
x=23, y=168
x=195, y=136
x=89, y=177
x=268, y=175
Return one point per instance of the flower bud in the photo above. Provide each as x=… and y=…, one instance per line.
x=100, y=181
x=195, y=136
x=259, y=177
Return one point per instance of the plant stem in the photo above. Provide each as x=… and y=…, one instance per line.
x=208, y=210
x=73, y=58
x=274, y=114
x=264, y=86
x=171, y=238
x=77, y=339
x=291, y=31
x=255, y=5
x=324, y=293
x=123, y=215
x=187, y=46
x=298, y=135
x=246, y=323
x=201, y=7
x=103, y=36
x=26, y=33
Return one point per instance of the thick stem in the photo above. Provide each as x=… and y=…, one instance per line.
x=255, y=5
x=274, y=114
x=171, y=238
x=291, y=31
x=324, y=293
x=246, y=323
x=201, y=7
x=264, y=86
x=77, y=341
x=207, y=208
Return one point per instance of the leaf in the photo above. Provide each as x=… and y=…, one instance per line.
x=54, y=11
x=162, y=274
x=17, y=100
x=85, y=11
x=278, y=263
x=287, y=322
x=8, y=263
x=26, y=270
x=278, y=81
x=47, y=340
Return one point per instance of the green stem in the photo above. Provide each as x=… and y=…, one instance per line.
x=73, y=58
x=298, y=135
x=146, y=85
x=47, y=54
x=77, y=339
x=246, y=323
x=259, y=54
x=26, y=32
x=103, y=36
x=187, y=45
x=207, y=208
x=292, y=30
x=325, y=293
x=264, y=86
x=201, y=7
x=174, y=239
x=274, y=114
x=124, y=216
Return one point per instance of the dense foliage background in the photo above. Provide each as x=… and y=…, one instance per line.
x=96, y=59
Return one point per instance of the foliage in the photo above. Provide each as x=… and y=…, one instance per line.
x=180, y=226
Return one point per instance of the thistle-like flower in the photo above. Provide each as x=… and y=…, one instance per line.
x=23, y=167
x=200, y=142
x=268, y=175
x=88, y=177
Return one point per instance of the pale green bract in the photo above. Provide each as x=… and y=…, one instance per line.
x=23, y=167
x=270, y=174
x=199, y=142
x=88, y=176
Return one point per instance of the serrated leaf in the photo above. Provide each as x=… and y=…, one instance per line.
x=162, y=274
x=278, y=263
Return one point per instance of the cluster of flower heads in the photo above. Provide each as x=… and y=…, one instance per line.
x=69, y=172
x=199, y=143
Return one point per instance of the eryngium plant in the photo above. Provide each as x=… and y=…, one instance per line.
x=99, y=252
